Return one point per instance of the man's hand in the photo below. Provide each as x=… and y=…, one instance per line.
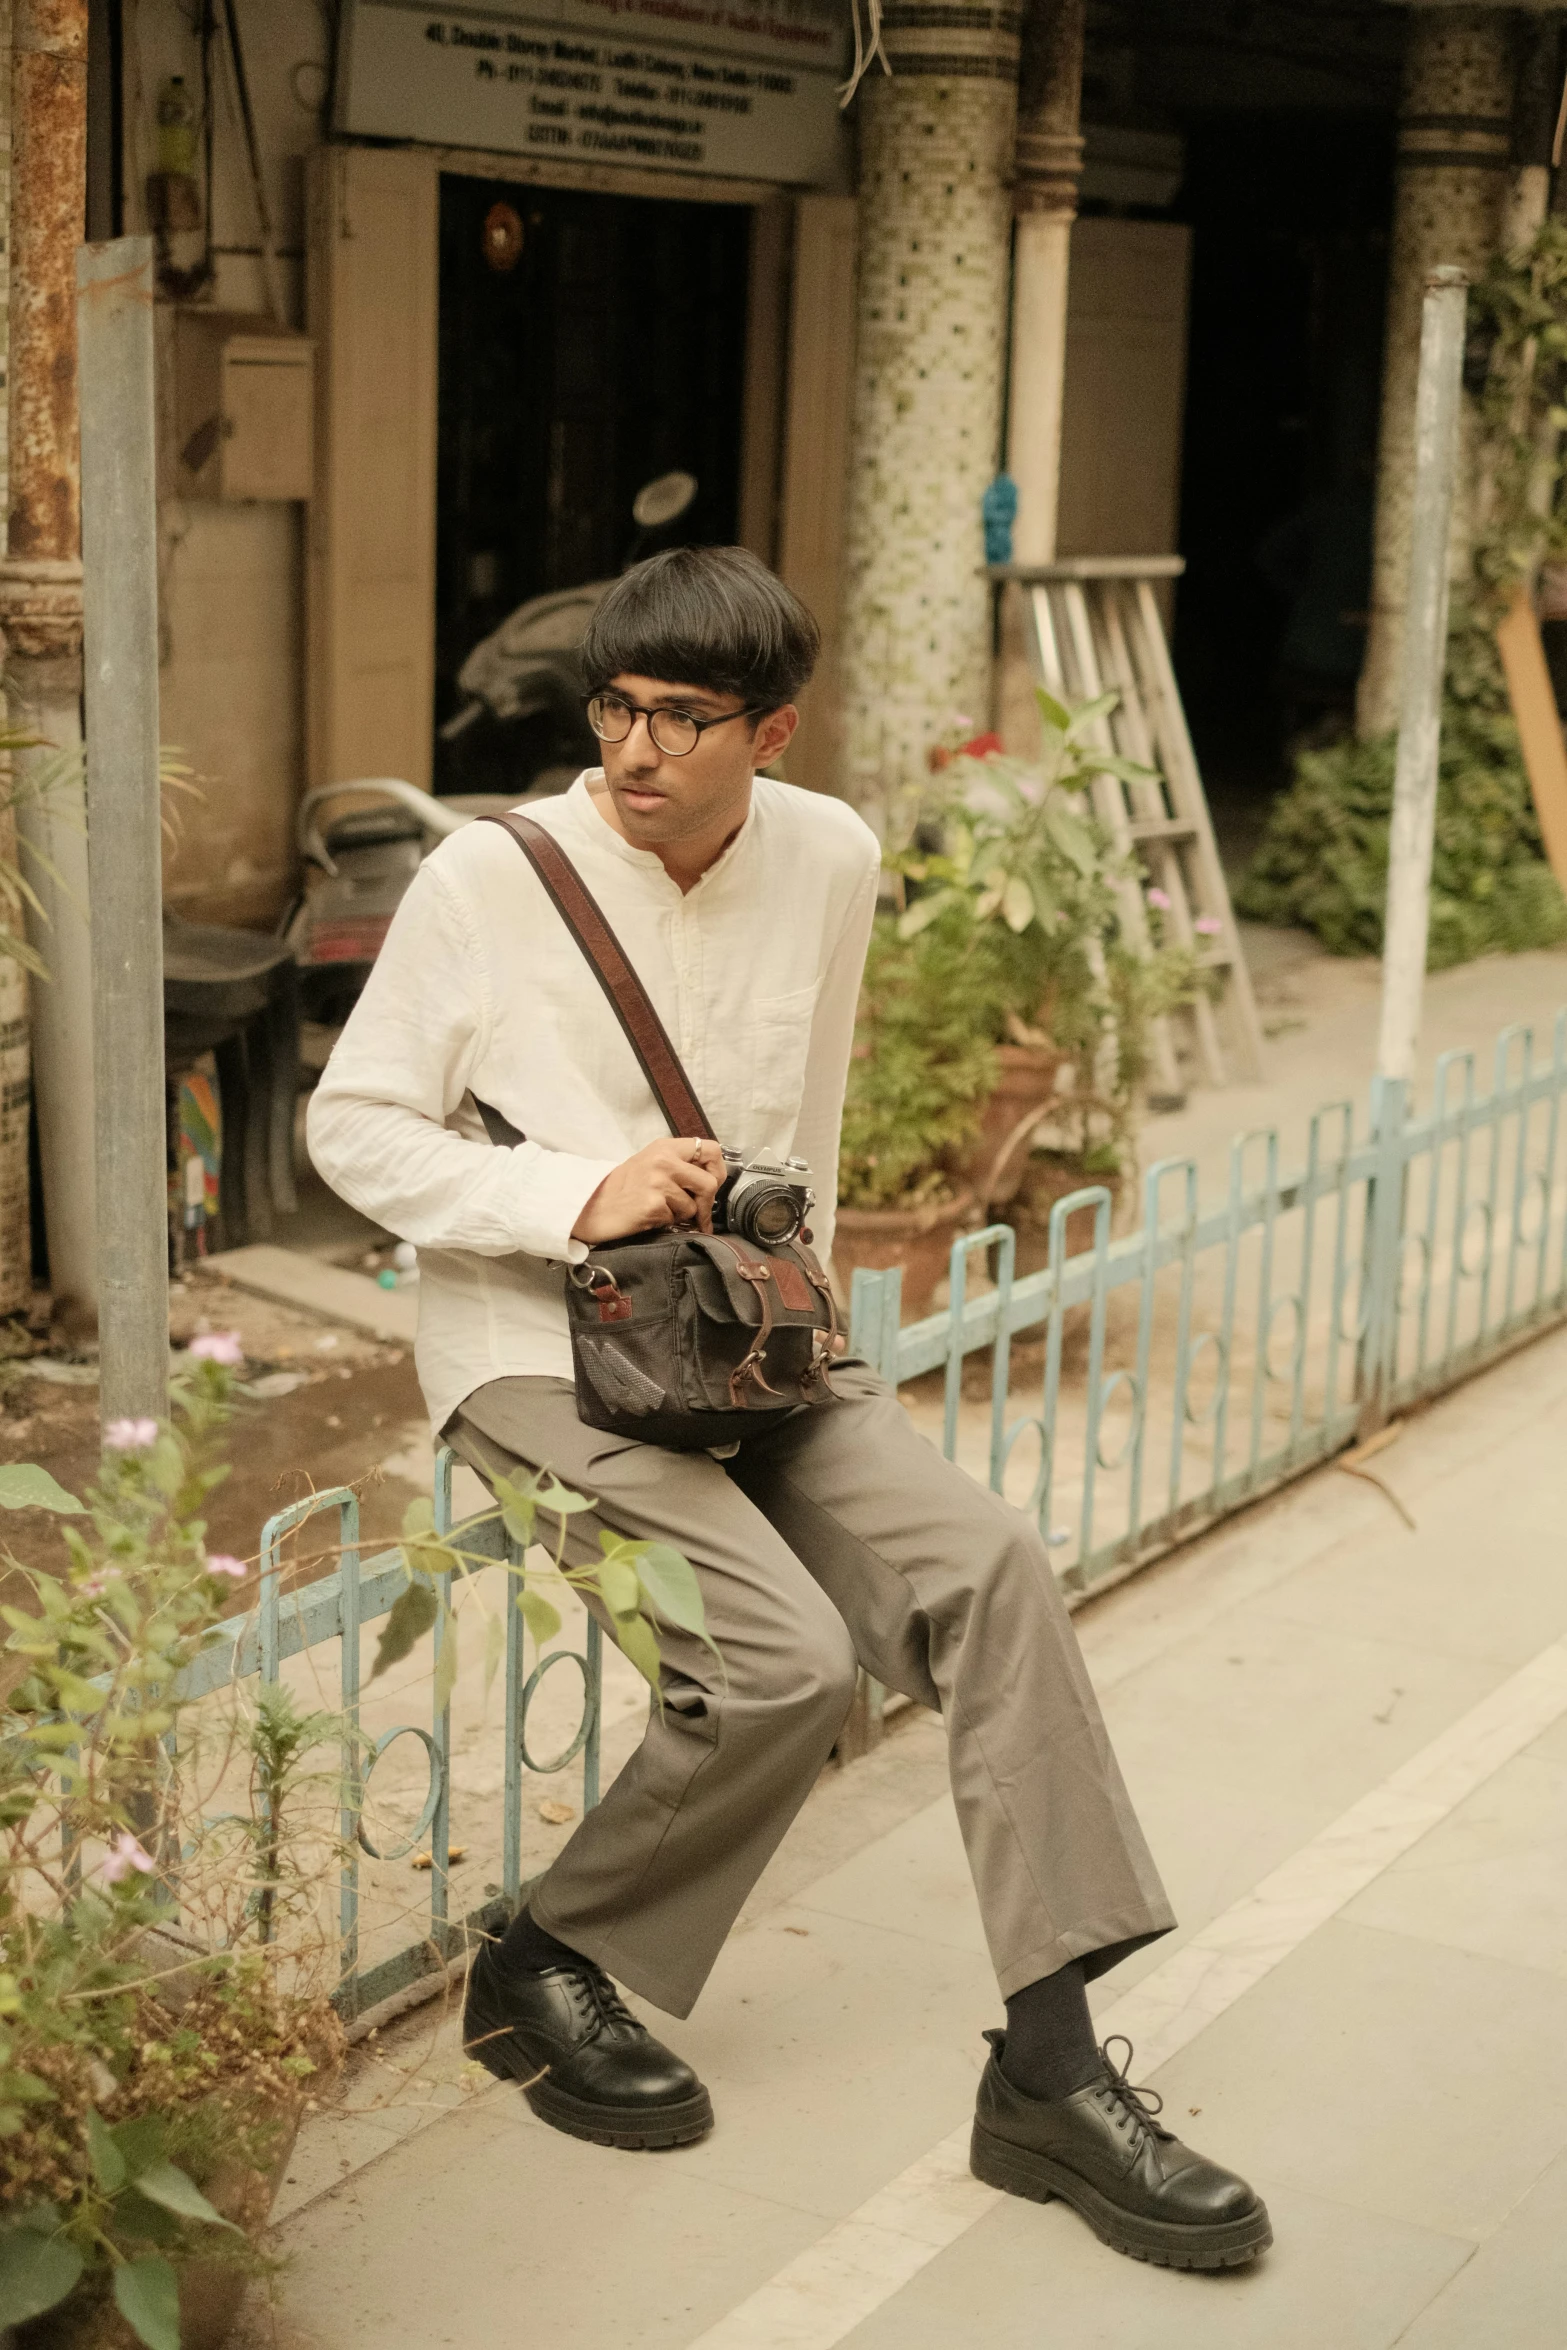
x=672, y=1182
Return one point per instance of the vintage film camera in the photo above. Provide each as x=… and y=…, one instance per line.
x=764, y=1200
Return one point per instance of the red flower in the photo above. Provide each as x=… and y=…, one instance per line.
x=980, y=746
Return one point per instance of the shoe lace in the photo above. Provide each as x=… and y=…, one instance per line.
x=1132, y=2109
x=597, y=1997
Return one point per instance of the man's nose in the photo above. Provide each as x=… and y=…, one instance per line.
x=639, y=748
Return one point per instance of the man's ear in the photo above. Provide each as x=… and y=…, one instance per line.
x=774, y=733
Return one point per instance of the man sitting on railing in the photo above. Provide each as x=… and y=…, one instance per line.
x=834, y=1538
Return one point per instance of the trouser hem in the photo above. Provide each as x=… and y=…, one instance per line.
x=622, y=1965
x=1100, y=1946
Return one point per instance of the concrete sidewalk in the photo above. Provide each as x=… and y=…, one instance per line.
x=1349, y=1745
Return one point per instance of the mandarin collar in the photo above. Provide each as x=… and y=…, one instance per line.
x=591, y=826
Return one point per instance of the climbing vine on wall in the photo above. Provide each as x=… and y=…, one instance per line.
x=1516, y=370
x=1322, y=862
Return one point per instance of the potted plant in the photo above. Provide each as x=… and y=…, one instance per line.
x=921, y=1070
x=1013, y=854
x=165, y=2012
x=150, y=2086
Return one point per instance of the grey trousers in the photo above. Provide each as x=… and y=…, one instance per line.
x=841, y=1538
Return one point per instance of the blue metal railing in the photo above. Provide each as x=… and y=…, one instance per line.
x=1251, y=1340
x=337, y=1607
x=1236, y=1346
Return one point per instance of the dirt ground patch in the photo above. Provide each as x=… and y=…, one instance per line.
x=320, y=1405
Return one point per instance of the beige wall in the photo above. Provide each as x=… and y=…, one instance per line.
x=1124, y=397
x=231, y=577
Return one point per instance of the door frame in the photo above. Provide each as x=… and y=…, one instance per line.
x=783, y=418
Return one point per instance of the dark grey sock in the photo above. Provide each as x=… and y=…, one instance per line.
x=525, y=1948
x=1050, y=2049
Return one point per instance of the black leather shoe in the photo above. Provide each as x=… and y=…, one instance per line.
x=1101, y=2150
x=585, y=2063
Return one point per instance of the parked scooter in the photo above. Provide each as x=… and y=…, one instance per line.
x=522, y=716
x=357, y=866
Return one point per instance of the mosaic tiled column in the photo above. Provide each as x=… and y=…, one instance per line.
x=1454, y=144
x=935, y=151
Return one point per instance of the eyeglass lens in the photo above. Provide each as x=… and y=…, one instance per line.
x=674, y=731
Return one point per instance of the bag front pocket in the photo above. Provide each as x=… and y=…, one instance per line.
x=629, y=1365
x=714, y=1345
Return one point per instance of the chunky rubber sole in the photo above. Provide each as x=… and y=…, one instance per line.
x=1017, y=2170
x=637, y=2128
x=633, y=2127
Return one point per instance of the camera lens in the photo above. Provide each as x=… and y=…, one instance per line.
x=767, y=1212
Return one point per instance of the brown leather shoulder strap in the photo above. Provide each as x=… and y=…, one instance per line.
x=628, y=998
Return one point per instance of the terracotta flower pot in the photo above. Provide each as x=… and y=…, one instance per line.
x=1046, y=1177
x=210, y=2290
x=992, y=1164
x=918, y=1239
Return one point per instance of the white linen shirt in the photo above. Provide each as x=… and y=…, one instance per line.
x=481, y=991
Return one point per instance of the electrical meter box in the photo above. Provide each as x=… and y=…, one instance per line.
x=244, y=421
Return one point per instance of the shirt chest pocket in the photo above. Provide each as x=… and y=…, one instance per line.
x=780, y=1036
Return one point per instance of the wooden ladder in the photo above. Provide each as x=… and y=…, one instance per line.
x=1092, y=626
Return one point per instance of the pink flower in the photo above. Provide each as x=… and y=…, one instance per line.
x=1159, y=898
x=1208, y=925
x=125, y=1854
x=96, y=1585
x=220, y=1563
x=130, y=1435
x=218, y=1346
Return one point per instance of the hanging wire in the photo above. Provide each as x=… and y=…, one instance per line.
x=867, y=47
x=269, y=271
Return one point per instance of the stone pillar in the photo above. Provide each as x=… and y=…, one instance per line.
x=935, y=152
x=41, y=608
x=1454, y=146
x=1049, y=164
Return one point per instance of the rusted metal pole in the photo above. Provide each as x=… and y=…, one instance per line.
x=119, y=539
x=1438, y=399
x=1449, y=192
x=16, y=1054
x=41, y=608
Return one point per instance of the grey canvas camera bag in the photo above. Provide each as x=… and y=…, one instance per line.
x=681, y=1338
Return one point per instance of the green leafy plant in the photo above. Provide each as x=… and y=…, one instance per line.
x=1322, y=862
x=639, y=1584
x=134, y=2198
x=117, y=2099
x=1518, y=331
x=1021, y=891
x=40, y=784
x=154, y=2058
x=1019, y=843
x=924, y=1060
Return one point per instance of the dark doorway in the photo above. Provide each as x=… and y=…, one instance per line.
x=588, y=344
x=1289, y=250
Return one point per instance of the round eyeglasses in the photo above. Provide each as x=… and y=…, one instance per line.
x=674, y=732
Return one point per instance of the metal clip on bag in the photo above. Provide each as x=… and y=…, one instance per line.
x=680, y=1338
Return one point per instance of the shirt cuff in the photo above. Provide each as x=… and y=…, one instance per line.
x=554, y=1189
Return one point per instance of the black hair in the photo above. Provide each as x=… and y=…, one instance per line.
x=706, y=616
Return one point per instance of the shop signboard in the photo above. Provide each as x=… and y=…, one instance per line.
x=743, y=88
